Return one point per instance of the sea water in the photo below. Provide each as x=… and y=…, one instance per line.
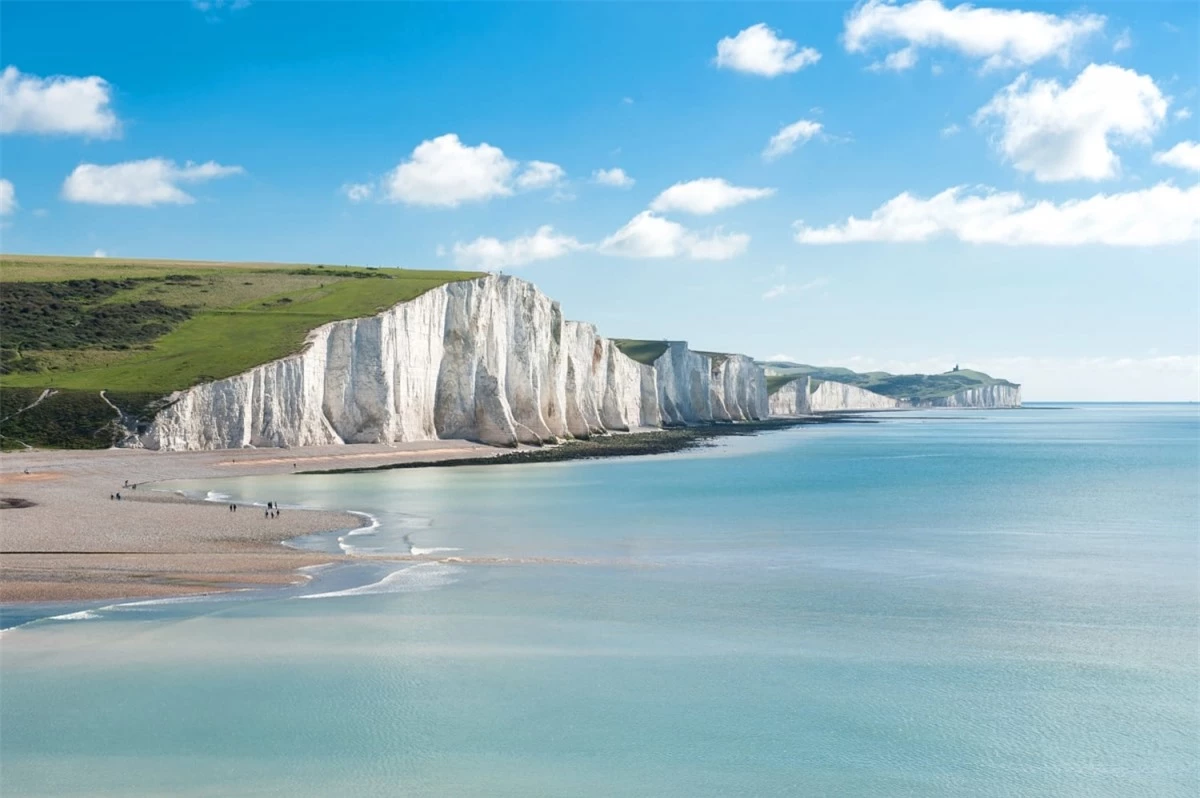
x=943, y=603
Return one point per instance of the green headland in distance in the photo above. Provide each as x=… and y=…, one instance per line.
x=915, y=387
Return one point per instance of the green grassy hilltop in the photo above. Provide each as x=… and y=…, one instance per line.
x=913, y=387
x=140, y=329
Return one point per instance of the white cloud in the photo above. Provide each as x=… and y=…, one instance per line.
x=1123, y=42
x=650, y=236
x=1059, y=133
x=783, y=289
x=951, y=129
x=899, y=61
x=626, y=101
x=1184, y=155
x=57, y=104
x=153, y=181
x=99, y=254
x=759, y=51
x=615, y=177
x=1162, y=214
x=492, y=253
x=540, y=174
x=444, y=173
x=706, y=195
x=1183, y=113
x=358, y=192
x=785, y=358
x=8, y=197
x=998, y=37
x=789, y=136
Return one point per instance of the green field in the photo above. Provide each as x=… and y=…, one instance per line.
x=159, y=326
x=912, y=387
x=140, y=329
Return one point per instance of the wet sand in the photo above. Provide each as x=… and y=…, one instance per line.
x=71, y=542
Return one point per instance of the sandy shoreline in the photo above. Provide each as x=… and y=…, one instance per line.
x=76, y=544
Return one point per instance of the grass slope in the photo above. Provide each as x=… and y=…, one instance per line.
x=642, y=351
x=159, y=326
x=913, y=387
x=140, y=329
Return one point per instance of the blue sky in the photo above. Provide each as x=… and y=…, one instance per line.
x=1066, y=258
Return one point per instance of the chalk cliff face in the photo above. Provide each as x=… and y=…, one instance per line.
x=792, y=399
x=833, y=396
x=984, y=396
x=490, y=360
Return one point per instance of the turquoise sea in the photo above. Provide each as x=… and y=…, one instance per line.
x=943, y=603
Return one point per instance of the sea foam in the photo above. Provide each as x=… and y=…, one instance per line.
x=412, y=579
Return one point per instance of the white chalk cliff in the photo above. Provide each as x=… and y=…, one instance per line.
x=830, y=396
x=996, y=395
x=833, y=396
x=489, y=359
x=792, y=398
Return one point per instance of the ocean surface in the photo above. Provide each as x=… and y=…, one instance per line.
x=944, y=603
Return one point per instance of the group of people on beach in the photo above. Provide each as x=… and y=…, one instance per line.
x=272, y=510
x=117, y=496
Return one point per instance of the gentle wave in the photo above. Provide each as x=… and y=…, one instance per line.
x=82, y=615
x=412, y=579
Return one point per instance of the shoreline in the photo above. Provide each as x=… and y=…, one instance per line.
x=64, y=540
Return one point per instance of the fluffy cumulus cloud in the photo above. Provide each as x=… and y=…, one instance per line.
x=1163, y=214
x=153, y=181
x=997, y=37
x=56, y=105
x=540, y=174
x=706, y=195
x=1066, y=133
x=8, y=197
x=492, y=253
x=614, y=177
x=444, y=173
x=759, y=50
x=1184, y=155
x=789, y=137
x=648, y=235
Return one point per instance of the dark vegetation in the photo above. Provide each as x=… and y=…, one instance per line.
x=74, y=314
x=69, y=419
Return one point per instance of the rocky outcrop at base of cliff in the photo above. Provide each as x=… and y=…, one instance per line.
x=792, y=398
x=489, y=360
